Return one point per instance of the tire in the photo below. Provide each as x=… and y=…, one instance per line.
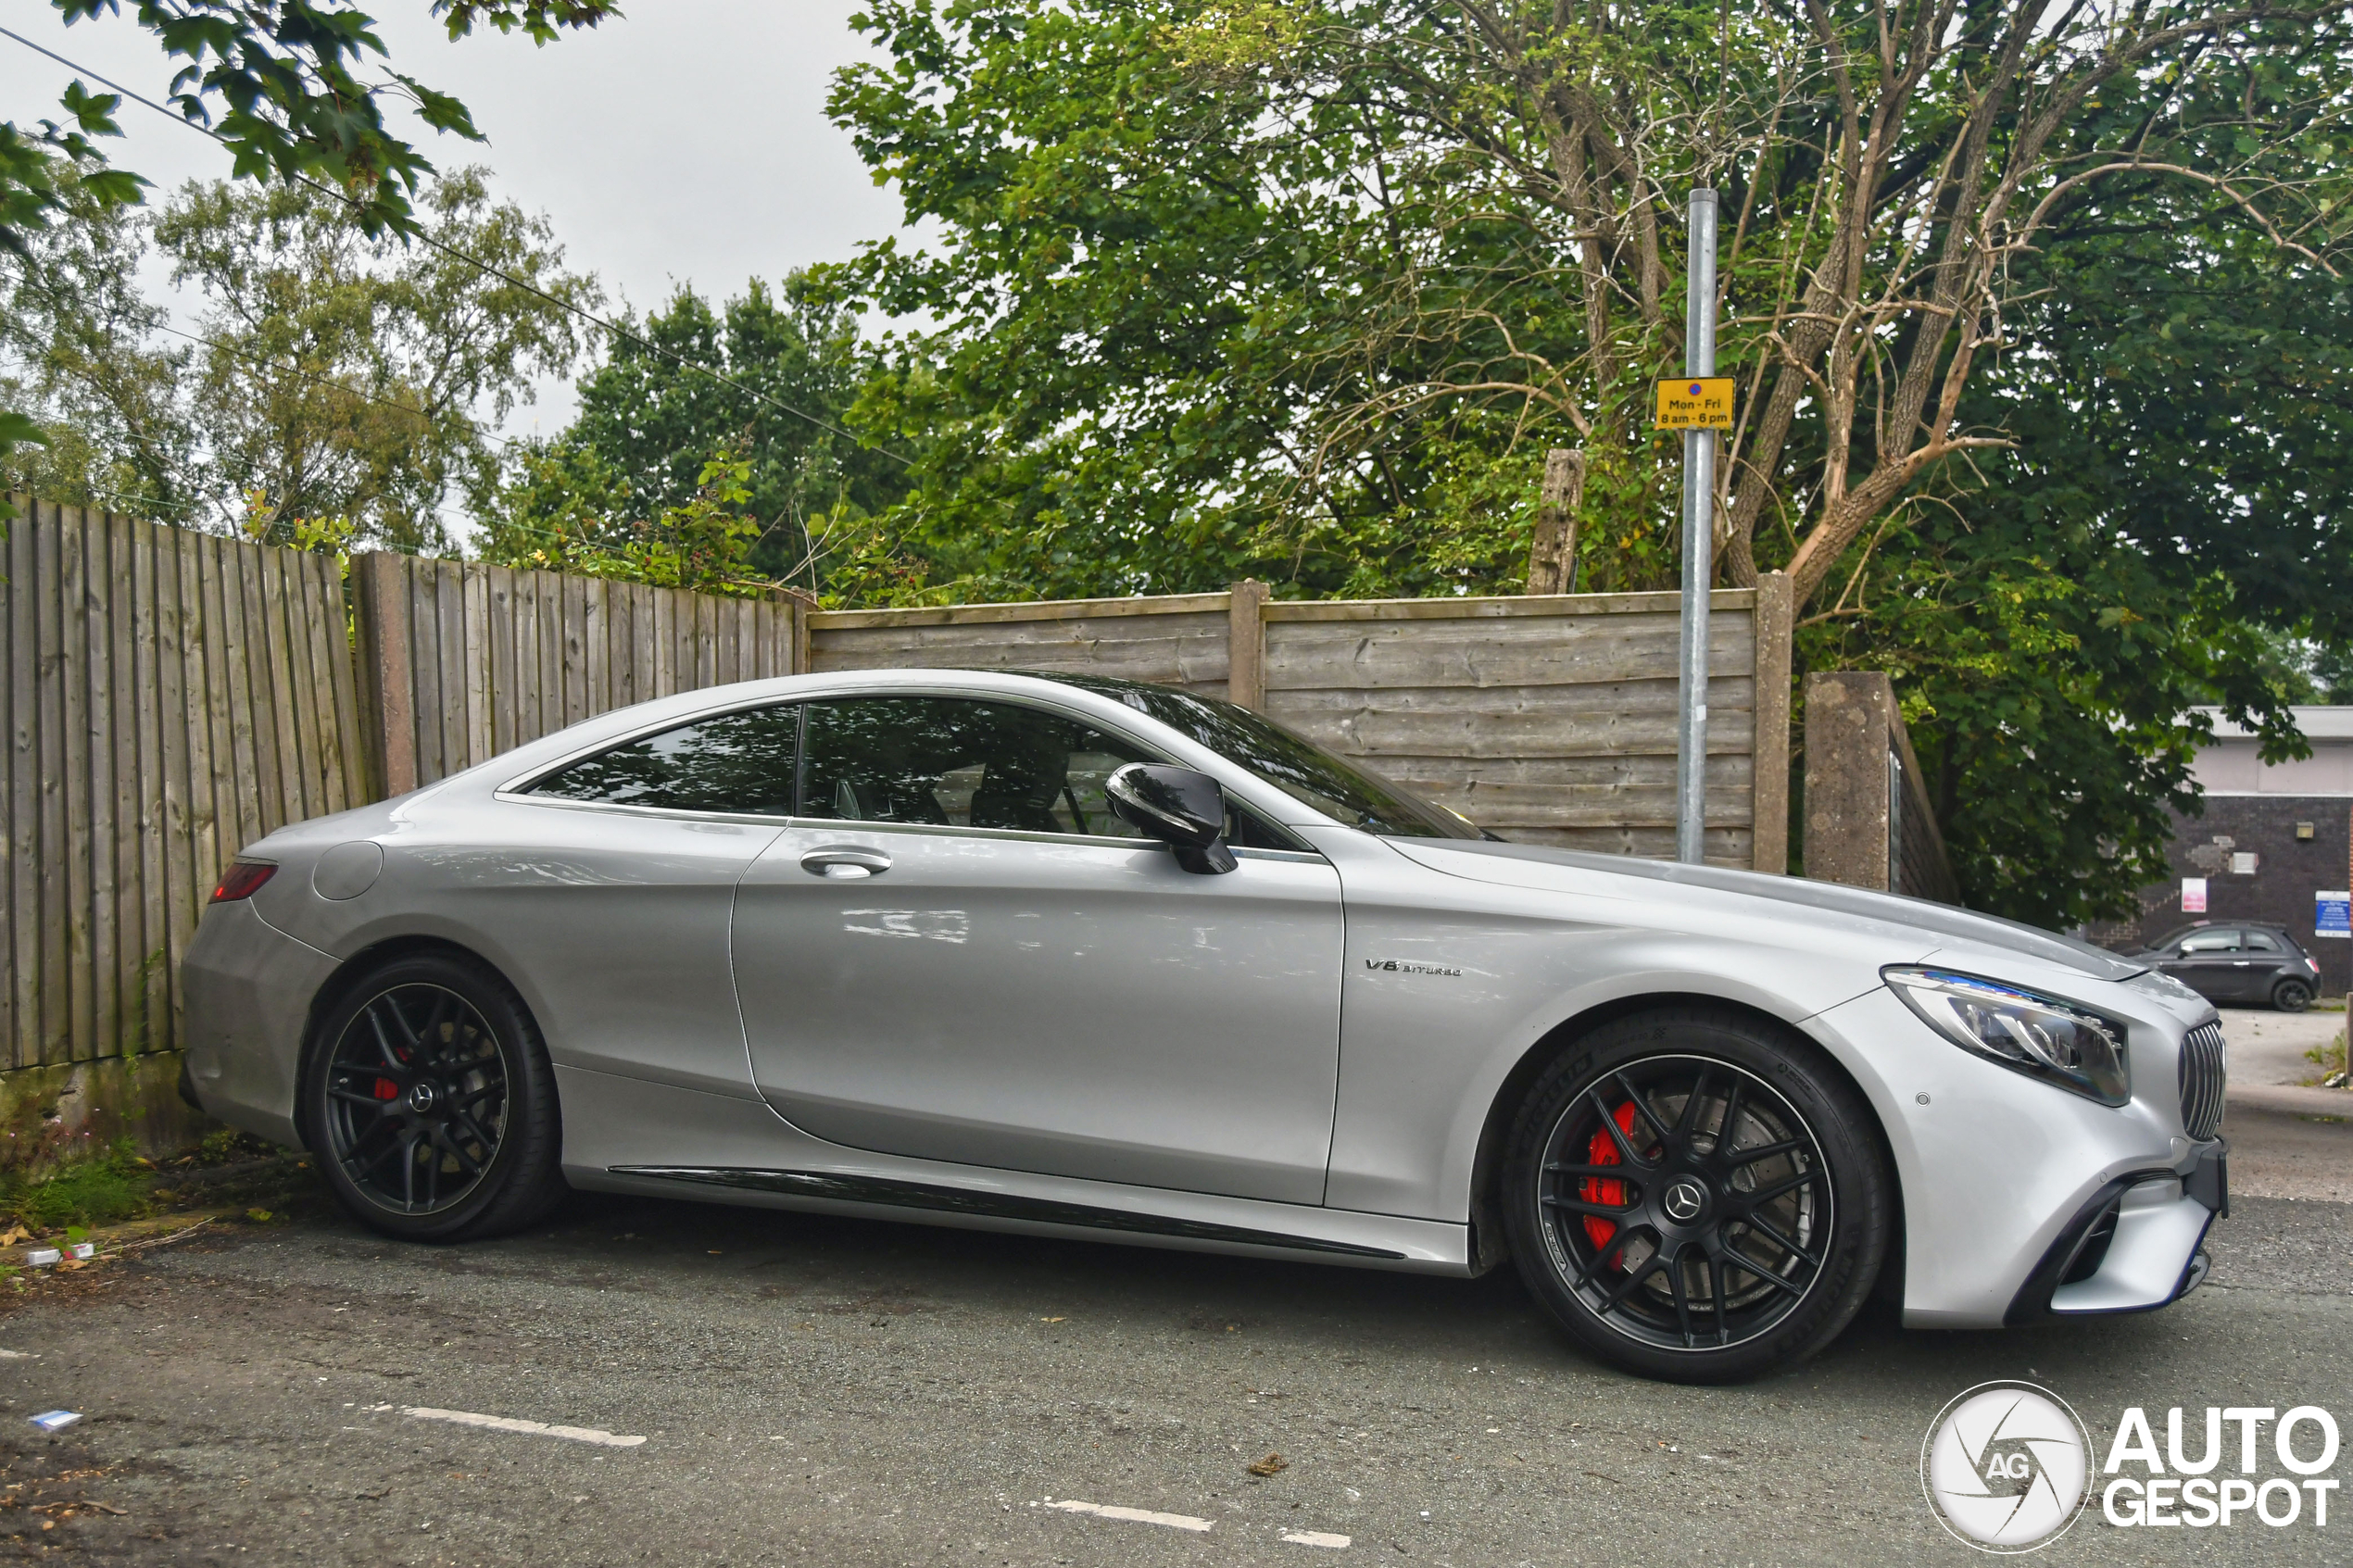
x=2291, y=995
x=429, y=1103
x=1630, y=1267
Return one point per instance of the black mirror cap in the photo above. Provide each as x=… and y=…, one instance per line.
x=1179, y=807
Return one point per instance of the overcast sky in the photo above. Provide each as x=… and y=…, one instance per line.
x=685, y=143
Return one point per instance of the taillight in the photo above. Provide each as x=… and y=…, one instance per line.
x=243, y=880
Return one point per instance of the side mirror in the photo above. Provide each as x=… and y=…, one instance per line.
x=1179, y=807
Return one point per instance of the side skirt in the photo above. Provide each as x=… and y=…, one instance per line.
x=939, y=1199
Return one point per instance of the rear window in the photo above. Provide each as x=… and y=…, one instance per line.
x=733, y=763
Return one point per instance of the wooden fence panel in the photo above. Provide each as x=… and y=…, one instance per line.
x=1552, y=720
x=471, y=659
x=169, y=696
x=1182, y=640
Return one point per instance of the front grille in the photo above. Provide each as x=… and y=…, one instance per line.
x=2203, y=1075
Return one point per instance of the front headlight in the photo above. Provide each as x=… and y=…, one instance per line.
x=2041, y=1036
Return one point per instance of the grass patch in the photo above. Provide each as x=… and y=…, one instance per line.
x=2329, y=1057
x=256, y=1180
x=116, y=1185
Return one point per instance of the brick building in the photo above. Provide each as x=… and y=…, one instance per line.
x=2272, y=835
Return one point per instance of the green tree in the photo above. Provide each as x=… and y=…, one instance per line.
x=1305, y=290
x=276, y=82
x=2172, y=527
x=651, y=427
x=86, y=356
x=1272, y=283
x=355, y=375
x=334, y=376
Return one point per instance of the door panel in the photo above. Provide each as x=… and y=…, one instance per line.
x=1080, y=1009
x=2211, y=964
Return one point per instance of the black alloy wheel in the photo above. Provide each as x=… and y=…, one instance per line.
x=1695, y=1201
x=2292, y=996
x=416, y=1098
x=430, y=1102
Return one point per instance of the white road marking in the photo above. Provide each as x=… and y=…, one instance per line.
x=538, y=1428
x=1316, y=1537
x=1134, y=1516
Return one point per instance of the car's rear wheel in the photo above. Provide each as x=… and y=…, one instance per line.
x=2291, y=995
x=430, y=1104
x=1696, y=1197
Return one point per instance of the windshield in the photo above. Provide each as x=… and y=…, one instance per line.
x=1344, y=791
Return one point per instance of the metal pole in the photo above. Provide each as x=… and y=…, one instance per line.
x=1699, y=540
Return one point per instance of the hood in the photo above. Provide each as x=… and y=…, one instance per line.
x=1941, y=924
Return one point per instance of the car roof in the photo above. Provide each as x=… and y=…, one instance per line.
x=2267, y=927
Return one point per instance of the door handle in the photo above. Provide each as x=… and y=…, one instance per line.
x=845, y=860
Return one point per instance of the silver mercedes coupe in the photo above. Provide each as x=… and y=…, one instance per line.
x=1093, y=958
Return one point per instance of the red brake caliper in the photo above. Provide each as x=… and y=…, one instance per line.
x=1603, y=1189
x=386, y=1089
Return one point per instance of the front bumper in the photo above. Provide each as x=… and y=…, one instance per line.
x=2006, y=1180
x=2135, y=1247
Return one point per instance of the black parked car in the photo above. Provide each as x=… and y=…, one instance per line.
x=2236, y=961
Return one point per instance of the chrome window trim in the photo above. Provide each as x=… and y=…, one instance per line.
x=845, y=825
x=519, y=783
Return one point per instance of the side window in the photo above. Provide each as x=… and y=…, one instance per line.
x=731, y=762
x=2257, y=942
x=958, y=762
x=1246, y=830
x=2210, y=942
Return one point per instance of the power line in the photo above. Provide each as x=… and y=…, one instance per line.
x=484, y=267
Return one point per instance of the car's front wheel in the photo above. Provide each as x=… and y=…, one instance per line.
x=2291, y=995
x=1696, y=1197
x=430, y=1105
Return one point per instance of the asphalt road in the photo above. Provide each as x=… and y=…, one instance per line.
x=831, y=1392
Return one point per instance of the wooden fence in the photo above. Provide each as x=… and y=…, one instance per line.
x=169, y=697
x=466, y=660
x=1551, y=720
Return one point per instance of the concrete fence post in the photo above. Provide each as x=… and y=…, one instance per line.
x=1869, y=821
x=1849, y=812
x=1775, y=614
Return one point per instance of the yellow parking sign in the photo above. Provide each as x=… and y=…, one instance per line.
x=1695, y=403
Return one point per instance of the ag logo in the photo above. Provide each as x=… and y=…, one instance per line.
x=2007, y=1467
